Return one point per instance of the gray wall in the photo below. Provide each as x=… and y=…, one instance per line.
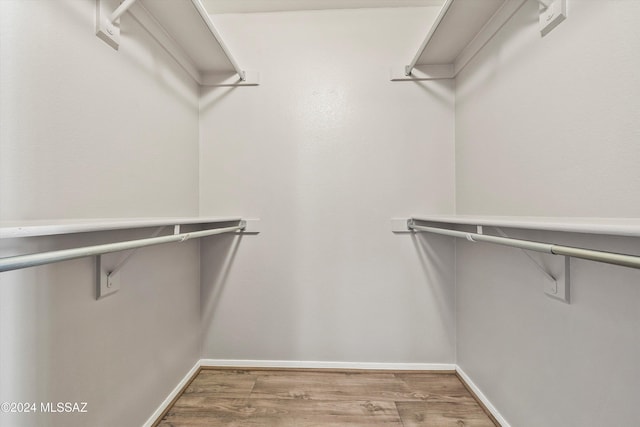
x=550, y=127
x=326, y=150
x=90, y=132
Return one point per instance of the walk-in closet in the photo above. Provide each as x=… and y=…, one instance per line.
x=301, y=213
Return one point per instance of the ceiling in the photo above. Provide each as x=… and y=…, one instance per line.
x=256, y=6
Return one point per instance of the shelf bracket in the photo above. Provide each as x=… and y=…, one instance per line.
x=543, y=4
x=108, y=279
x=107, y=282
x=556, y=286
x=552, y=13
x=422, y=72
x=108, y=24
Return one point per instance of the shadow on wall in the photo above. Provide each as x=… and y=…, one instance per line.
x=516, y=41
x=216, y=258
x=40, y=324
x=24, y=331
x=137, y=45
x=527, y=17
x=439, y=90
x=437, y=259
x=211, y=95
x=60, y=344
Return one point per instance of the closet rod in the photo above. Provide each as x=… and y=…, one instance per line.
x=549, y=248
x=32, y=260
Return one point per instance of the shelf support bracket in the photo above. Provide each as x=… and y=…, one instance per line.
x=543, y=4
x=422, y=72
x=124, y=6
x=108, y=279
x=107, y=24
x=556, y=287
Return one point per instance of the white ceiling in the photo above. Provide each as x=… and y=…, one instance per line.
x=251, y=6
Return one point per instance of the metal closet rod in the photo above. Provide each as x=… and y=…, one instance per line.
x=549, y=248
x=32, y=260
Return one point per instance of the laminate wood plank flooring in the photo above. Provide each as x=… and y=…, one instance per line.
x=306, y=398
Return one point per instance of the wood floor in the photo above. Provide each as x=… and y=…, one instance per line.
x=290, y=398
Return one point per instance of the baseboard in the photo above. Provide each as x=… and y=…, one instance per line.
x=300, y=364
x=481, y=397
x=177, y=391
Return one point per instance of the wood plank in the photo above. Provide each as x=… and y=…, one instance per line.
x=201, y=411
x=222, y=384
x=436, y=387
x=332, y=386
x=463, y=413
x=295, y=398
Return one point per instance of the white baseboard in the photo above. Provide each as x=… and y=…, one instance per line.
x=482, y=398
x=304, y=364
x=177, y=389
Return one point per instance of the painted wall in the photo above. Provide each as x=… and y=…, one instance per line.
x=549, y=126
x=90, y=132
x=325, y=151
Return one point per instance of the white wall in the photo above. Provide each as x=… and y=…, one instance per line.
x=325, y=151
x=549, y=126
x=91, y=132
x=87, y=131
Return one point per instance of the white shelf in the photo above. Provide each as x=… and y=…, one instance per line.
x=461, y=29
x=47, y=228
x=185, y=30
x=608, y=226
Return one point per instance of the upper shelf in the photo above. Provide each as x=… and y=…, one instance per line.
x=458, y=23
x=53, y=227
x=461, y=29
x=608, y=226
x=187, y=33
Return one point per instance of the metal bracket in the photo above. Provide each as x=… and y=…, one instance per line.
x=106, y=29
x=552, y=13
x=250, y=226
x=561, y=286
x=557, y=285
x=251, y=78
x=108, y=279
x=107, y=283
x=422, y=72
x=543, y=4
x=401, y=225
x=108, y=23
